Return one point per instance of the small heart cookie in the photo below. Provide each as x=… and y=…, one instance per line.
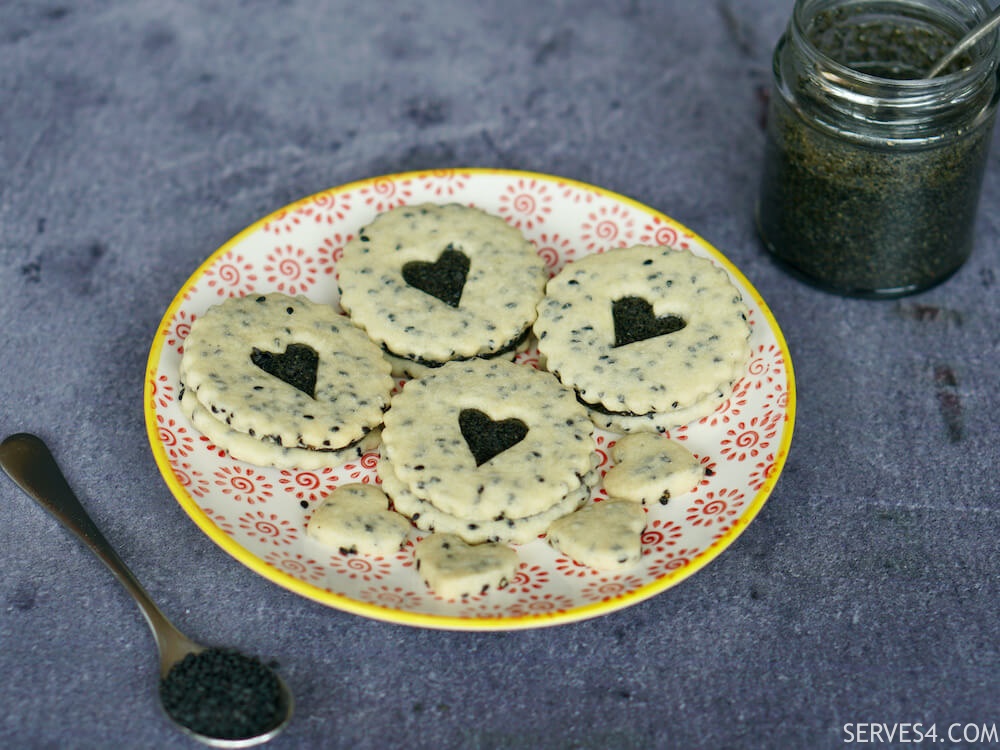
x=453, y=569
x=651, y=468
x=605, y=535
x=355, y=518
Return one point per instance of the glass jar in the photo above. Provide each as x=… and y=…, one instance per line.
x=872, y=173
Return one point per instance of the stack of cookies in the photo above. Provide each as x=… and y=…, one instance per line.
x=282, y=381
x=487, y=450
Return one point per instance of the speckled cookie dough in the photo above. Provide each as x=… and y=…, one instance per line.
x=434, y=458
x=427, y=517
x=605, y=535
x=453, y=569
x=651, y=469
x=263, y=452
x=643, y=329
x=432, y=283
x=287, y=370
x=355, y=519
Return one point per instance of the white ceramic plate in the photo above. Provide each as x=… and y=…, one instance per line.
x=258, y=515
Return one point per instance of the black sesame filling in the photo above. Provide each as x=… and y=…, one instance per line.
x=443, y=279
x=297, y=366
x=487, y=437
x=510, y=346
x=602, y=409
x=635, y=321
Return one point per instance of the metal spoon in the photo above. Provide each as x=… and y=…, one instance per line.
x=989, y=24
x=27, y=461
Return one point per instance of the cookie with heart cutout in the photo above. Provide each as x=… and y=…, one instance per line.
x=648, y=336
x=432, y=283
x=286, y=371
x=485, y=439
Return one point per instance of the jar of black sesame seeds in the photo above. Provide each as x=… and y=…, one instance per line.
x=872, y=171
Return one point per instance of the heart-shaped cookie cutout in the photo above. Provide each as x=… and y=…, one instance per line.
x=444, y=278
x=297, y=366
x=454, y=570
x=634, y=321
x=605, y=535
x=486, y=437
x=651, y=468
x=355, y=519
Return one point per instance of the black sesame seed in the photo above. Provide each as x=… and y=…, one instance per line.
x=223, y=694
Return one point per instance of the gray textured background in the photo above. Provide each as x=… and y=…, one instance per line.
x=136, y=137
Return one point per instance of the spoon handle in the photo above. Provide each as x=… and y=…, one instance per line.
x=988, y=25
x=28, y=461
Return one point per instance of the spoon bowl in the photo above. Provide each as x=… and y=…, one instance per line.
x=28, y=461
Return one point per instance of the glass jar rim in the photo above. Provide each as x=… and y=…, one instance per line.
x=983, y=64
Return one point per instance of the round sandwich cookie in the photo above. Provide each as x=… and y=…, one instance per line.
x=487, y=439
x=646, y=335
x=286, y=371
x=432, y=283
